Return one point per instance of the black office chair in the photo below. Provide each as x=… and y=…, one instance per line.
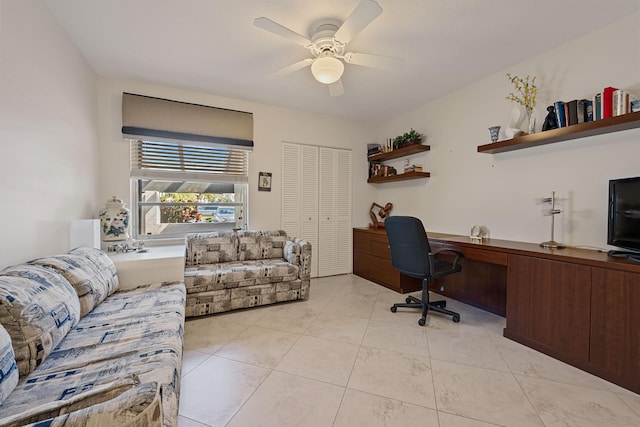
x=411, y=255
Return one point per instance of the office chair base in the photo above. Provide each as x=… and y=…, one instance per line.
x=437, y=306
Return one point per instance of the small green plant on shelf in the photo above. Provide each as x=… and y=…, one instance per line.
x=408, y=138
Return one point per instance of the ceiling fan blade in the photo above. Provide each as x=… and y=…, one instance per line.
x=375, y=61
x=280, y=30
x=290, y=69
x=362, y=15
x=336, y=89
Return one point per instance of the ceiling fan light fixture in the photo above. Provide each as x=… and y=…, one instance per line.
x=327, y=69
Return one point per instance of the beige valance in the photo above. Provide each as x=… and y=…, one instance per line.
x=145, y=117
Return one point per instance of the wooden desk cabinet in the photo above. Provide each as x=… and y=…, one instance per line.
x=615, y=326
x=578, y=306
x=372, y=260
x=549, y=305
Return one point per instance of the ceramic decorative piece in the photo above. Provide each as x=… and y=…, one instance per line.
x=494, y=131
x=114, y=220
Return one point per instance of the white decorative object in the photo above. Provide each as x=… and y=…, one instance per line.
x=84, y=232
x=114, y=220
x=478, y=232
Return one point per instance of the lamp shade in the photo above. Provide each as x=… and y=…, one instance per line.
x=327, y=69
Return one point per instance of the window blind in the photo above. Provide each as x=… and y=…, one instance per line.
x=185, y=162
x=145, y=117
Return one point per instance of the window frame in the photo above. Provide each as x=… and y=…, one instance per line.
x=169, y=166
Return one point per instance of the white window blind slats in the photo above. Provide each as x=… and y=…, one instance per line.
x=152, y=158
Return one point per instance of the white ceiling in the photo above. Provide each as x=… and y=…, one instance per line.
x=212, y=46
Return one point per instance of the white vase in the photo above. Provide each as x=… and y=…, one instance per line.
x=114, y=220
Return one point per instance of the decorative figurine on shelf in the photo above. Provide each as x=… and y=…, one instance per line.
x=383, y=212
x=550, y=121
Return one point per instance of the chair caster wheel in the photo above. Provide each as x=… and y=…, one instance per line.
x=421, y=322
x=394, y=309
x=456, y=318
x=407, y=300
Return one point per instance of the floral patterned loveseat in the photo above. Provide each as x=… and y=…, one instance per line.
x=75, y=351
x=230, y=270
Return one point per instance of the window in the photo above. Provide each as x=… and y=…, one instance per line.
x=182, y=188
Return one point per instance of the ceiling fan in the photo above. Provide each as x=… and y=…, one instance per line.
x=328, y=44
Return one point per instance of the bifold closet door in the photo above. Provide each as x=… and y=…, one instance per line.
x=335, y=254
x=300, y=195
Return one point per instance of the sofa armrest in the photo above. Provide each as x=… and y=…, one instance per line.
x=298, y=252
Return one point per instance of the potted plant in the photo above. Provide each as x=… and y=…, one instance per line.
x=408, y=138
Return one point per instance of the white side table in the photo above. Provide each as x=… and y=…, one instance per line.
x=158, y=264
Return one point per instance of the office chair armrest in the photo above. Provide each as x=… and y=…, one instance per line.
x=454, y=266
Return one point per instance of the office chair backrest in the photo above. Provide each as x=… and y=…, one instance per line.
x=409, y=245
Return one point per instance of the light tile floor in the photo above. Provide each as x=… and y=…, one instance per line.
x=343, y=359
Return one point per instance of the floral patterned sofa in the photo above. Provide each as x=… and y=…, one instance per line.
x=230, y=270
x=76, y=351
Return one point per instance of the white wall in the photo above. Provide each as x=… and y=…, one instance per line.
x=48, y=132
x=272, y=126
x=501, y=190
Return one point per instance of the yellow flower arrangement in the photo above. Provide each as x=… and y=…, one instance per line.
x=525, y=92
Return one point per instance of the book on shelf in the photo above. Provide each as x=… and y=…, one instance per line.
x=583, y=111
x=373, y=149
x=572, y=112
x=622, y=102
x=634, y=103
x=597, y=106
x=561, y=119
x=607, y=101
x=588, y=112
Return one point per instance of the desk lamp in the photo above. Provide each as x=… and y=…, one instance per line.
x=552, y=244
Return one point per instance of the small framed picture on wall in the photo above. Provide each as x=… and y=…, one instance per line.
x=264, y=181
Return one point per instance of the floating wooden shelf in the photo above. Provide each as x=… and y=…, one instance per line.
x=582, y=130
x=399, y=152
x=399, y=177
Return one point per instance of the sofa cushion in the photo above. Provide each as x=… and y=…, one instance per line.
x=253, y=245
x=38, y=307
x=209, y=248
x=238, y=274
x=272, y=244
x=91, y=273
x=8, y=367
x=248, y=245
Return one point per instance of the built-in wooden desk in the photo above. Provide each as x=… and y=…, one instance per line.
x=579, y=306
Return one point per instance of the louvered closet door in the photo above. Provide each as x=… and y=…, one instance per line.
x=343, y=197
x=300, y=195
x=335, y=253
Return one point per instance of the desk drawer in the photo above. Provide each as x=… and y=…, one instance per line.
x=491, y=257
x=380, y=248
x=479, y=254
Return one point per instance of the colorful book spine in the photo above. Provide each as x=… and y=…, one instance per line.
x=607, y=101
x=561, y=119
